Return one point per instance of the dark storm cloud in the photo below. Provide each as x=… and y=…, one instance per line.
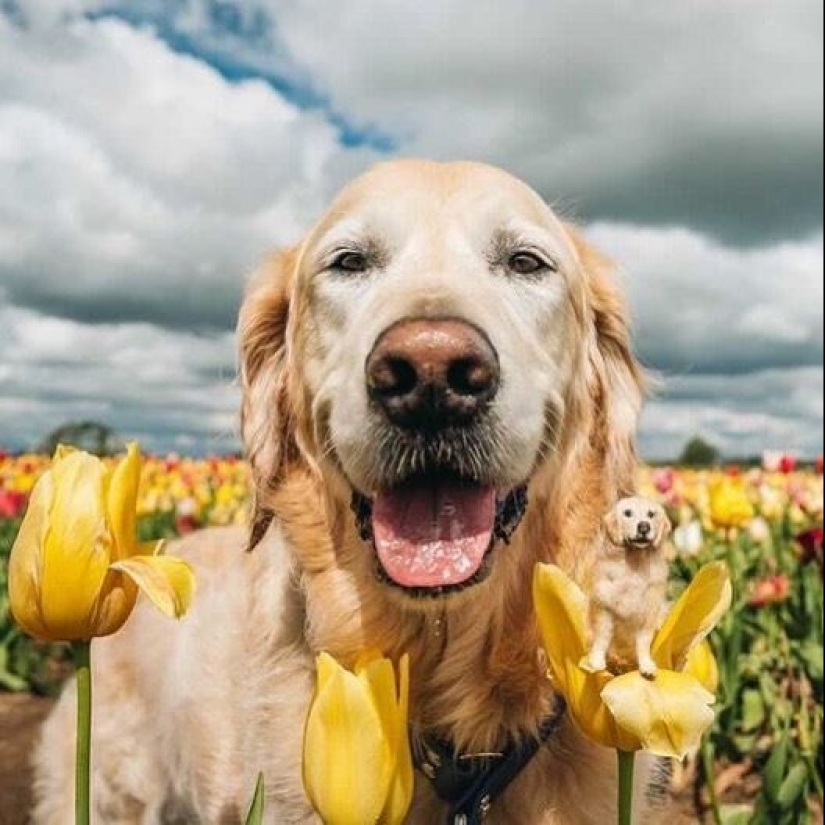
x=750, y=193
x=210, y=308
x=707, y=115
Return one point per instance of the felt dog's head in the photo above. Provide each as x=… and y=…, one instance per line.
x=637, y=524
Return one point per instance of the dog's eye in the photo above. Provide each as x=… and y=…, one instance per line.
x=527, y=263
x=651, y=514
x=349, y=261
x=628, y=514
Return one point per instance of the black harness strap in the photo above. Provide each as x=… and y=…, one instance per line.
x=472, y=782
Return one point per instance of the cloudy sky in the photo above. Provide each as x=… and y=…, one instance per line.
x=150, y=152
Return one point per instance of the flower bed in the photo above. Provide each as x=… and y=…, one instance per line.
x=763, y=760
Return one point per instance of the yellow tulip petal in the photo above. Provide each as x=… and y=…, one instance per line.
x=62, y=450
x=167, y=581
x=117, y=600
x=701, y=664
x=121, y=502
x=400, y=793
x=668, y=714
x=26, y=561
x=347, y=760
x=378, y=678
x=698, y=609
x=561, y=608
x=589, y=712
x=77, y=548
x=325, y=669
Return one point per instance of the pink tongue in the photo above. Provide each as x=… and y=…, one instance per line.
x=435, y=533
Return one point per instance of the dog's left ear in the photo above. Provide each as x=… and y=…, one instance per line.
x=664, y=529
x=617, y=382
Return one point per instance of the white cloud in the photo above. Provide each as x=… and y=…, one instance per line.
x=741, y=415
x=147, y=382
x=707, y=113
x=703, y=307
x=129, y=172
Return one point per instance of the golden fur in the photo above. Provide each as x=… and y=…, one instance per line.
x=209, y=704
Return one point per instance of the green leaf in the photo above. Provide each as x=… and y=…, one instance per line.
x=745, y=742
x=255, y=816
x=9, y=680
x=775, y=768
x=811, y=653
x=753, y=709
x=793, y=786
x=736, y=814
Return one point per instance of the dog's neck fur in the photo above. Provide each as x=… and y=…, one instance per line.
x=476, y=670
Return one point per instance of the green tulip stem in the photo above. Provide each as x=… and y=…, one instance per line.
x=83, y=673
x=707, y=769
x=626, y=759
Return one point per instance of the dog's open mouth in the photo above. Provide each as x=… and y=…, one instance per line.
x=432, y=534
x=640, y=542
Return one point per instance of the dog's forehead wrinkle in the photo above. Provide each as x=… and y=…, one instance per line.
x=475, y=197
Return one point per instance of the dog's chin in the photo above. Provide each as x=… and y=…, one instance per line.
x=436, y=535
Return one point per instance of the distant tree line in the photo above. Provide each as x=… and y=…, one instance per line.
x=699, y=453
x=90, y=436
x=100, y=439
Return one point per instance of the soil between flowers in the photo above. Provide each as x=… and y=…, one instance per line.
x=21, y=715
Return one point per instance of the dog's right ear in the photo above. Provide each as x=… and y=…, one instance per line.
x=267, y=422
x=613, y=526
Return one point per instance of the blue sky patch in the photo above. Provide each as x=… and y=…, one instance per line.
x=258, y=33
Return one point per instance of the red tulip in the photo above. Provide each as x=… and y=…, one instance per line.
x=787, y=464
x=12, y=504
x=186, y=524
x=819, y=464
x=811, y=543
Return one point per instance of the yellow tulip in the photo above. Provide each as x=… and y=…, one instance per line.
x=772, y=502
x=729, y=503
x=667, y=715
x=76, y=566
x=357, y=762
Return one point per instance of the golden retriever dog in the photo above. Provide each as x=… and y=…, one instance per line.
x=438, y=392
x=629, y=590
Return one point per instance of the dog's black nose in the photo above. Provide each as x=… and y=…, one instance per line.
x=429, y=374
x=644, y=528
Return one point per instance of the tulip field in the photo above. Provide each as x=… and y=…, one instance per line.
x=763, y=760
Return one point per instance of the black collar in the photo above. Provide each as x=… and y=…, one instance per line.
x=471, y=782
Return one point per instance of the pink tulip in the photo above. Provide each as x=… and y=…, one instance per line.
x=770, y=590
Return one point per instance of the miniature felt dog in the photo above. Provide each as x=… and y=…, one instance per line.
x=629, y=585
